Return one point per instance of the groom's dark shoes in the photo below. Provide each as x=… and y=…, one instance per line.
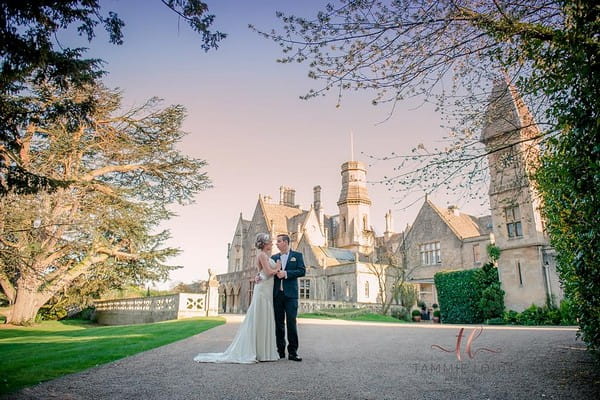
x=281, y=355
x=294, y=357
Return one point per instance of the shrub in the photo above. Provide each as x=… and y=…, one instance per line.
x=496, y=321
x=407, y=294
x=401, y=313
x=567, y=313
x=437, y=314
x=415, y=313
x=536, y=315
x=510, y=317
x=491, y=303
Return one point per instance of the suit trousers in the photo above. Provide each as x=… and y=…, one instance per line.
x=286, y=311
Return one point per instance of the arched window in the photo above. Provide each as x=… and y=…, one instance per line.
x=367, y=289
x=347, y=286
x=332, y=290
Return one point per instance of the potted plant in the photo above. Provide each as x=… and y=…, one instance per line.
x=436, y=316
x=436, y=313
x=416, y=315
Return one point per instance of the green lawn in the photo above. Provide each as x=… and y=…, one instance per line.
x=55, y=348
x=351, y=315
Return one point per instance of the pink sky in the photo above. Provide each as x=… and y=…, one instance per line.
x=246, y=119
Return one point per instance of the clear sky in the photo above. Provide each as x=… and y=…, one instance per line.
x=246, y=120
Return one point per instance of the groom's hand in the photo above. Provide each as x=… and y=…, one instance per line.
x=281, y=274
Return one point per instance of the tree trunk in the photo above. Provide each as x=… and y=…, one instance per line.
x=26, y=306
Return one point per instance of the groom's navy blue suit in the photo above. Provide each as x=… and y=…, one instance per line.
x=285, y=302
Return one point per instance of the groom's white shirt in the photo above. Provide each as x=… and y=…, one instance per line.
x=284, y=259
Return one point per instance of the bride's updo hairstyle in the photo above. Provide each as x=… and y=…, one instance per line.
x=261, y=240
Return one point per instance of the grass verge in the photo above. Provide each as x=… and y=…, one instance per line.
x=54, y=348
x=351, y=315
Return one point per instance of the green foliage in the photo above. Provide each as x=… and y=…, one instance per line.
x=437, y=313
x=401, y=313
x=125, y=169
x=53, y=349
x=537, y=315
x=416, y=313
x=407, y=294
x=459, y=294
x=569, y=177
x=342, y=312
x=568, y=314
x=491, y=302
x=30, y=52
x=350, y=315
x=470, y=296
x=493, y=252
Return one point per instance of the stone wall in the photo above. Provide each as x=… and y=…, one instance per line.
x=144, y=310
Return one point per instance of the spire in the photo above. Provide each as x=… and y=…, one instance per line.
x=506, y=113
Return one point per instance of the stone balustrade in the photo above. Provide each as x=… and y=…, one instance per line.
x=157, y=308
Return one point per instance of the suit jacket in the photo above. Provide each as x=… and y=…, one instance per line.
x=295, y=269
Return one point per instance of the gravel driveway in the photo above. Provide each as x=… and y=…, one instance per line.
x=352, y=360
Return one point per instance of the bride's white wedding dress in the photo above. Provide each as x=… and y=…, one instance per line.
x=255, y=340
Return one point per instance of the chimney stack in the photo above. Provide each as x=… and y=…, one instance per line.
x=287, y=196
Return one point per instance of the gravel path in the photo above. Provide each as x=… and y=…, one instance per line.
x=351, y=360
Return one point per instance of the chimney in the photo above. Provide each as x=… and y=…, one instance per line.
x=287, y=196
x=388, y=224
x=317, y=198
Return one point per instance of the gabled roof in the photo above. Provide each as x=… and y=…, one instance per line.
x=463, y=225
x=279, y=214
x=298, y=219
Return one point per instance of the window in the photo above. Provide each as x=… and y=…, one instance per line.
x=519, y=273
x=367, y=289
x=347, y=286
x=513, y=222
x=476, y=254
x=430, y=253
x=304, y=286
x=344, y=224
x=238, y=264
x=365, y=223
x=332, y=290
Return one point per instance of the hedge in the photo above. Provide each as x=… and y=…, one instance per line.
x=459, y=294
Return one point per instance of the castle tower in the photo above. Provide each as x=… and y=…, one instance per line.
x=354, y=231
x=526, y=266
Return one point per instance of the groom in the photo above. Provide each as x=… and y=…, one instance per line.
x=285, y=297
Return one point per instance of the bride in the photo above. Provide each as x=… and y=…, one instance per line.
x=255, y=340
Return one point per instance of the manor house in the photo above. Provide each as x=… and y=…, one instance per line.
x=342, y=251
